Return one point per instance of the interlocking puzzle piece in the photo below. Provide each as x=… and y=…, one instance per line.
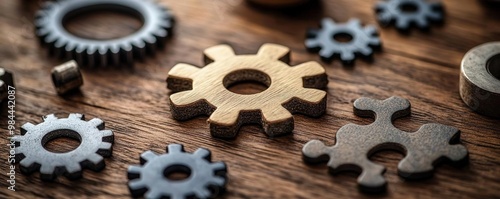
x=203, y=91
x=431, y=144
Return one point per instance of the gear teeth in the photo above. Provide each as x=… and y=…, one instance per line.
x=219, y=166
x=50, y=117
x=98, y=123
x=326, y=54
x=277, y=114
x=202, y=193
x=147, y=156
x=17, y=139
x=47, y=169
x=27, y=162
x=312, y=95
x=105, y=146
x=355, y=23
x=77, y=116
x=95, y=159
x=218, y=181
x=402, y=24
x=203, y=153
x=218, y=53
x=134, y=171
x=183, y=71
x=347, y=57
x=175, y=148
x=136, y=184
x=152, y=194
x=99, y=53
x=275, y=52
x=224, y=117
x=370, y=30
x=73, y=168
x=313, y=44
x=107, y=136
x=308, y=69
x=327, y=23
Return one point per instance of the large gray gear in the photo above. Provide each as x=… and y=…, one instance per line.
x=392, y=11
x=95, y=143
x=49, y=21
x=364, y=40
x=206, y=179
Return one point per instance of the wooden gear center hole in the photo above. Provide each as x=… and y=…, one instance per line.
x=493, y=66
x=103, y=23
x=177, y=172
x=247, y=82
x=61, y=141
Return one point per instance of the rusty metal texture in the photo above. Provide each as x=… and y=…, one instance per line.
x=480, y=79
x=430, y=145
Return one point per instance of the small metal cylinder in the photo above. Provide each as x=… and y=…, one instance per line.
x=480, y=79
x=67, y=77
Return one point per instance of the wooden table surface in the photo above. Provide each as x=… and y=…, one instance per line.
x=422, y=67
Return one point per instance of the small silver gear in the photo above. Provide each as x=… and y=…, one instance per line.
x=49, y=21
x=364, y=40
x=392, y=11
x=95, y=143
x=206, y=179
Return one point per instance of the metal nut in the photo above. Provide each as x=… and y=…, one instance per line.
x=480, y=79
x=67, y=77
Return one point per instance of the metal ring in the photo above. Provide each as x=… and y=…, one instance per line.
x=50, y=19
x=480, y=79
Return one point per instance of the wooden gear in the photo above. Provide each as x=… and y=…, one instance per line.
x=290, y=90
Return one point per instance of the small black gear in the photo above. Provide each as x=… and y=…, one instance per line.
x=206, y=179
x=363, y=40
x=157, y=25
x=405, y=13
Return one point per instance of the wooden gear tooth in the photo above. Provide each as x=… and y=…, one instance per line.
x=290, y=90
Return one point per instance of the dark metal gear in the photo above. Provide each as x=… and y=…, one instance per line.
x=363, y=40
x=157, y=25
x=95, y=143
x=405, y=13
x=206, y=179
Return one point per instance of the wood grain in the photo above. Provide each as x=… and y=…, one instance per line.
x=203, y=91
x=421, y=66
